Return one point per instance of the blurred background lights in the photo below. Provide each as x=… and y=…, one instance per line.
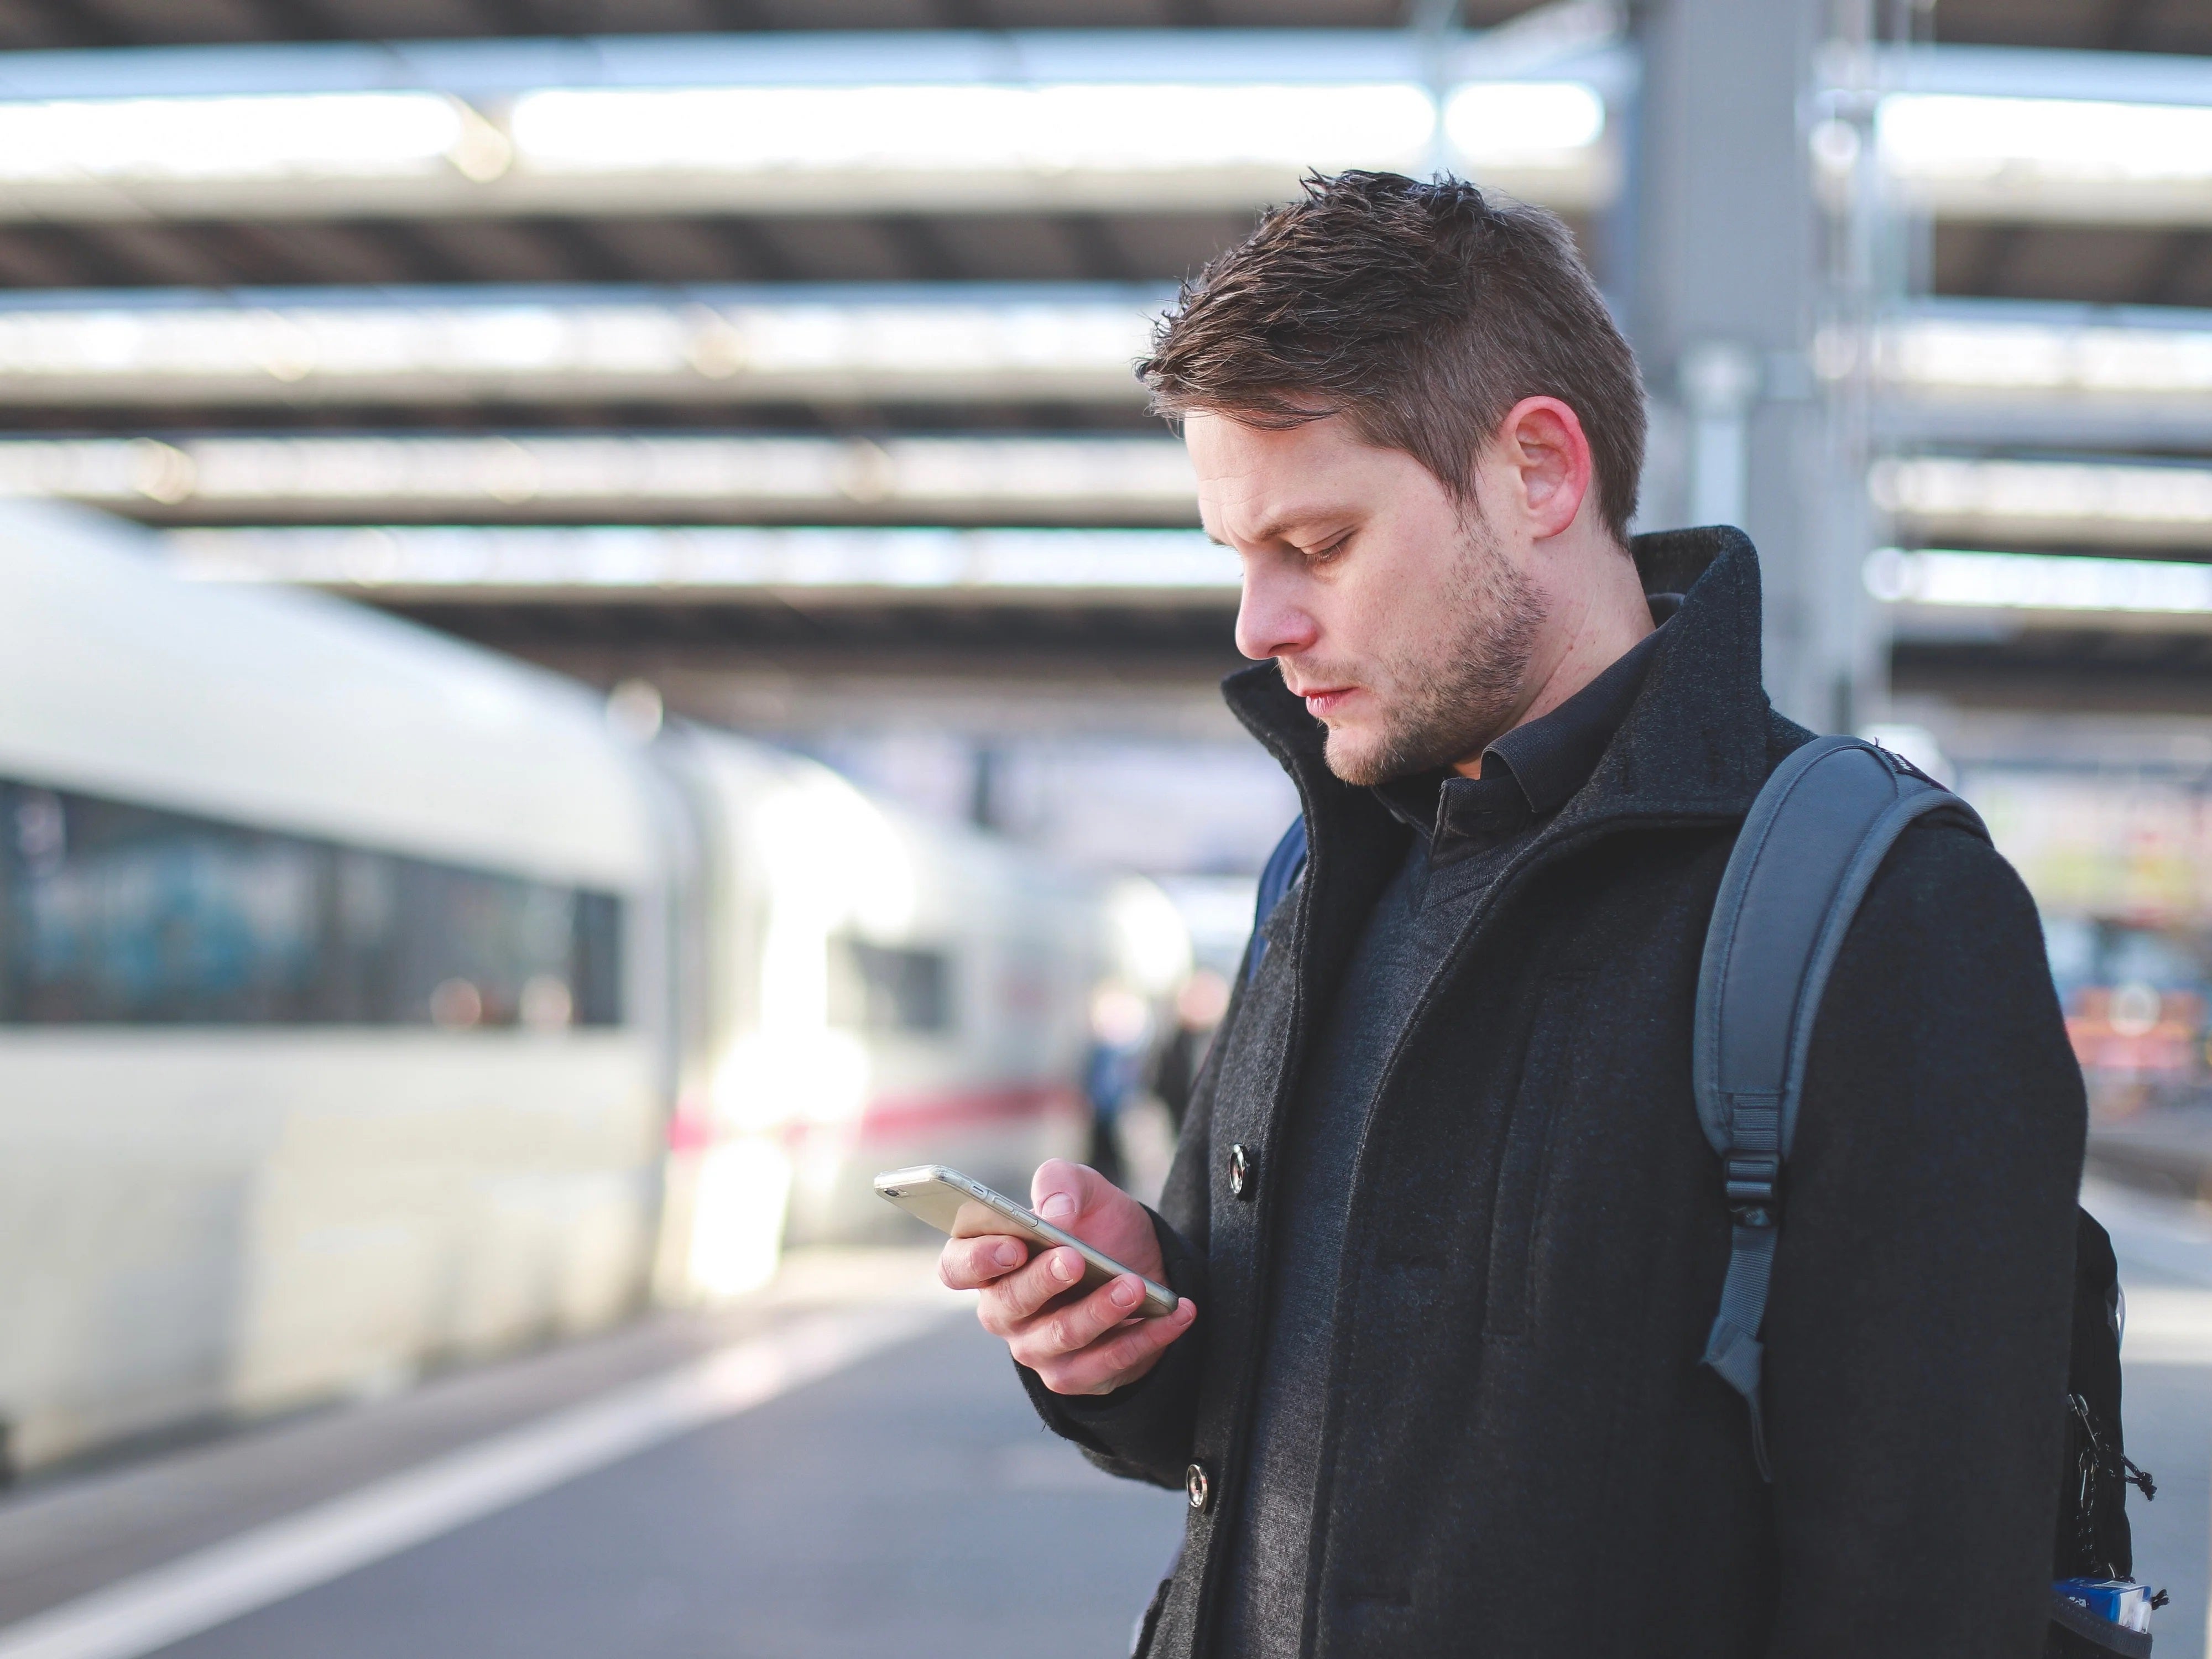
x=955, y=562
x=2038, y=582
x=963, y=343
x=1119, y=1017
x=1934, y=136
x=951, y=340
x=323, y=136
x=547, y=1004
x=879, y=142
x=2094, y=358
x=2133, y=503
x=1150, y=938
x=836, y=849
x=742, y=1191
x=971, y=129
x=1508, y=120
x=635, y=710
x=846, y=125
x=836, y=125
x=1916, y=743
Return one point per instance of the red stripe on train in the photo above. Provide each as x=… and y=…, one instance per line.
x=893, y=1117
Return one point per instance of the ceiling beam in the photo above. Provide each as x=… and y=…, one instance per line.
x=920, y=249
x=79, y=23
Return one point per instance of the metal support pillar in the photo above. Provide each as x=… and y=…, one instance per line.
x=1729, y=285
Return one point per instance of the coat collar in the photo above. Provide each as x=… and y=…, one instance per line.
x=1693, y=745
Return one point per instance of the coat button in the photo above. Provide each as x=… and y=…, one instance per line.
x=1196, y=1486
x=1240, y=1177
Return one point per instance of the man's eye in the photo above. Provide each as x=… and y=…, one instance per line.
x=1322, y=554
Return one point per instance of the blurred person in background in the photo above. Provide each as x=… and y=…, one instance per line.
x=1114, y=1071
x=1451, y=1238
x=1199, y=1005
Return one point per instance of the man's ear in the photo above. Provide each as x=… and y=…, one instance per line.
x=1544, y=447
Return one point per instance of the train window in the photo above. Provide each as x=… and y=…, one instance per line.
x=887, y=987
x=595, y=963
x=125, y=915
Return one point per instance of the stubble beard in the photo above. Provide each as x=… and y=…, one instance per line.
x=1443, y=698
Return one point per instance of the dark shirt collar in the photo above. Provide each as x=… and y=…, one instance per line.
x=1534, y=770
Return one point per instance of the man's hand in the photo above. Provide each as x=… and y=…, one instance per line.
x=1079, y=1345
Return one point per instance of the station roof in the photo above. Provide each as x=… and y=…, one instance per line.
x=415, y=293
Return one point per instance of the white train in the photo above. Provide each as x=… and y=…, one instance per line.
x=367, y=1002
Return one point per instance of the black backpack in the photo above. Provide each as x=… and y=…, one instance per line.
x=1813, y=839
x=1810, y=845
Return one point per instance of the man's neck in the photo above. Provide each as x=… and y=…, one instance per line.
x=1604, y=619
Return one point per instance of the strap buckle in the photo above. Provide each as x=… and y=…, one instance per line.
x=1754, y=1189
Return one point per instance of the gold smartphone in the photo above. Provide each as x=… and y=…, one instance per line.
x=951, y=1203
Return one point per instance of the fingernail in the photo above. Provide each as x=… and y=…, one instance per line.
x=1008, y=1254
x=1064, y=1266
x=1126, y=1294
x=1057, y=1206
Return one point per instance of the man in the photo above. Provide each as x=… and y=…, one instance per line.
x=1452, y=1237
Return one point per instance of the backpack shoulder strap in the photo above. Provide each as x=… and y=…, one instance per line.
x=1812, y=842
x=1276, y=879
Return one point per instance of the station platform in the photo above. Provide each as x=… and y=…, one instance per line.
x=840, y=1465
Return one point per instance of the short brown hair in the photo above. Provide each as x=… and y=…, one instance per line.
x=1421, y=313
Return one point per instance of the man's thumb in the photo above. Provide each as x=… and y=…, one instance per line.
x=1057, y=1193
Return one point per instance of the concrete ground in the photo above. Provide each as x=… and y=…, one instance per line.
x=2165, y=1249
x=903, y=1501
x=908, y=1506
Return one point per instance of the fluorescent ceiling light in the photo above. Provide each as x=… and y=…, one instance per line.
x=985, y=343
x=649, y=563
x=2027, y=581
x=2048, y=157
x=799, y=149
x=1521, y=122
x=1965, y=355
x=944, y=342
x=1193, y=119
x=1049, y=129
x=2121, y=502
x=315, y=136
x=1028, y=478
x=1045, y=130
x=1935, y=136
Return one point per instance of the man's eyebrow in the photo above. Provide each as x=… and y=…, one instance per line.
x=1278, y=531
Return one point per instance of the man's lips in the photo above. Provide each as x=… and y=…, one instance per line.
x=1321, y=701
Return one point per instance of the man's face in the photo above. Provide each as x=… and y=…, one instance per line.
x=1392, y=610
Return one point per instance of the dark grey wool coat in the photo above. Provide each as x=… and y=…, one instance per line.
x=1525, y=1459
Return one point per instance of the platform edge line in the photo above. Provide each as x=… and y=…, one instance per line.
x=279, y=1559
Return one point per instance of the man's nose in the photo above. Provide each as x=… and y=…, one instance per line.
x=1269, y=621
